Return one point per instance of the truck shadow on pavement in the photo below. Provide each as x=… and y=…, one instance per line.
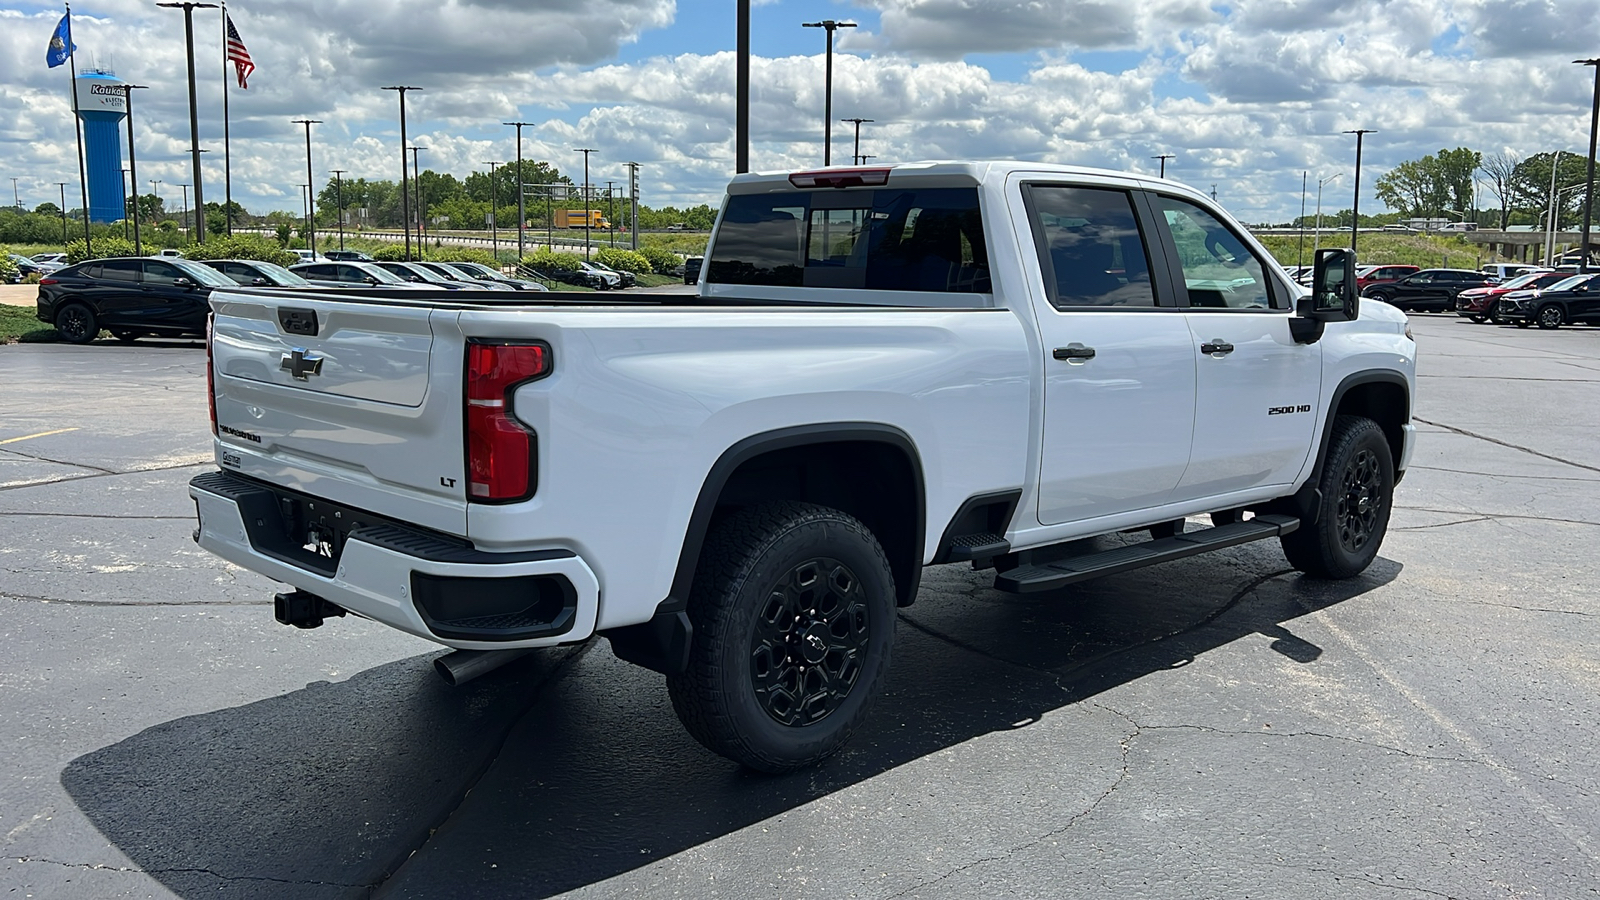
x=569, y=768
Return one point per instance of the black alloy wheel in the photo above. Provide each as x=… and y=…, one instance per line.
x=1361, y=499
x=76, y=323
x=793, y=610
x=809, y=641
x=1549, y=316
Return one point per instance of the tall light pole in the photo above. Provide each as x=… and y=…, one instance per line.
x=522, y=214
x=494, y=212
x=1355, y=206
x=1588, y=193
x=311, y=194
x=187, y=233
x=1550, y=214
x=188, y=7
x=63, y=186
x=124, y=201
x=611, y=211
x=587, y=231
x=1316, y=242
x=741, y=89
x=1300, y=254
x=1166, y=156
x=405, y=202
x=855, y=156
x=133, y=167
x=829, y=26
x=416, y=185
x=633, y=202
x=338, y=181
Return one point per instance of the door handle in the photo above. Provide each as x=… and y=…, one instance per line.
x=1217, y=347
x=1073, y=351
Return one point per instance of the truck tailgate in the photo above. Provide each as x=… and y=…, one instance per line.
x=356, y=402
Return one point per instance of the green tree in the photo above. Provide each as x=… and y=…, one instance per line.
x=1433, y=185
x=47, y=209
x=1531, y=184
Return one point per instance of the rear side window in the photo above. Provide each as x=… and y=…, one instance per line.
x=1091, y=249
x=928, y=240
x=120, y=270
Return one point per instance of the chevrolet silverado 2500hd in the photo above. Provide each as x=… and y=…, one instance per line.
x=883, y=369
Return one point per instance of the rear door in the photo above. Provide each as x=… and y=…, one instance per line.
x=1256, y=389
x=1119, y=366
x=113, y=287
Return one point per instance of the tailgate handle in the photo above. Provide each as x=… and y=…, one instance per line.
x=298, y=321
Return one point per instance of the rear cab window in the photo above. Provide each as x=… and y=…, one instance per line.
x=921, y=246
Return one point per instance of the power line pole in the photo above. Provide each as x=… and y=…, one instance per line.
x=188, y=7
x=311, y=194
x=830, y=26
x=522, y=213
x=405, y=199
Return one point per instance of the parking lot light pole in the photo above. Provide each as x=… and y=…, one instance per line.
x=855, y=157
x=741, y=89
x=133, y=167
x=1164, y=157
x=338, y=181
x=829, y=26
x=494, y=213
x=522, y=214
x=405, y=201
x=586, y=229
x=311, y=195
x=187, y=233
x=63, y=186
x=1588, y=194
x=188, y=7
x=1355, y=205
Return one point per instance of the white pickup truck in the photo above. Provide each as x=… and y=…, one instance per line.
x=883, y=369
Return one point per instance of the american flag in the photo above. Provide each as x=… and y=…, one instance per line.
x=238, y=55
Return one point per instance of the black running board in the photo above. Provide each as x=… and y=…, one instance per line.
x=1029, y=579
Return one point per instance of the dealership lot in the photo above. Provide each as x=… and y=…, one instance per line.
x=1212, y=727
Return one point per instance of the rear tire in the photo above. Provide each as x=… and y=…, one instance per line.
x=793, y=610
x=1357, y=486
x=76, y=323
x=1549, y=316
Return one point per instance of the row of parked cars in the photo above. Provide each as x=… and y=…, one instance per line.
x=135, y=297
x=1502, y=293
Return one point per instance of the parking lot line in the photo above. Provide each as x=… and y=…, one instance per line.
x=29, y=437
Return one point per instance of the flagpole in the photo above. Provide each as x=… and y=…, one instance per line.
x=227, y=157
x=77, y=129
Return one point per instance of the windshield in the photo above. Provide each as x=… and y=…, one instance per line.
x=476, y=270
x=1567, y=284
x=202, y=274
x=425, y=273
x=383, y=275
x=1523, y=280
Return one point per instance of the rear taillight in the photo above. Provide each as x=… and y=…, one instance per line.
x=500, y=451
x=47, y=281
x=211, y=376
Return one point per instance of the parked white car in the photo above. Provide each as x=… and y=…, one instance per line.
x=885, y=368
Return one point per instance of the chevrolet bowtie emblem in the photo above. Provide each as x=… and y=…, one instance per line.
x=301, y=364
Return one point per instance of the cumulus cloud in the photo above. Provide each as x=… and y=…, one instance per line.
x=952, y=29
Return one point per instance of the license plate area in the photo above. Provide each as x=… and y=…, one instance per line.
x=318, y=528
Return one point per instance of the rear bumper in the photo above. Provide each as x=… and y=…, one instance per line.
x=442, y=591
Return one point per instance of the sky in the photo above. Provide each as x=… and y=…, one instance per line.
x=1249, y=96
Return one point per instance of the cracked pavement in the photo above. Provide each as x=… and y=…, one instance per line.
x=1213, y=727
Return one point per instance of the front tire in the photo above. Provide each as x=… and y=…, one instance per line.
x=793, y=609
x=1549, y=316
x=1494, y=313
x=1357, y=486
x=76, y=323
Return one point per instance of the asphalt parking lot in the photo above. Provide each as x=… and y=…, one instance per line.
x=1216, y=727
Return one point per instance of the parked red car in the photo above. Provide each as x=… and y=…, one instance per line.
x=1381, y=274
x=1482, y=304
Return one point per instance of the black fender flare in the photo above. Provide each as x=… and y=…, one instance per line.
x=1307, y=499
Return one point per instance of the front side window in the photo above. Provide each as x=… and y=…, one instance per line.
x=928, y=240
x=1091, y=250
x=1219, y=272
x=161, y=273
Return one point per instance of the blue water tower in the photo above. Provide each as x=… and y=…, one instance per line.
x=102, y=104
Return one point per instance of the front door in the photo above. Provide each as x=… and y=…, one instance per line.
x=1119, y=366
x=1256, y=389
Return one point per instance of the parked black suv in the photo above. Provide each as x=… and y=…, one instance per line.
x=1430, y=289
x=130, y=297
x=1569, y=302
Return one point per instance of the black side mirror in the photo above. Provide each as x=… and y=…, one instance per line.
x=417, y=278
x=260, y=282
x=1333, y=296
x=182, y=282
x=371, y=279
